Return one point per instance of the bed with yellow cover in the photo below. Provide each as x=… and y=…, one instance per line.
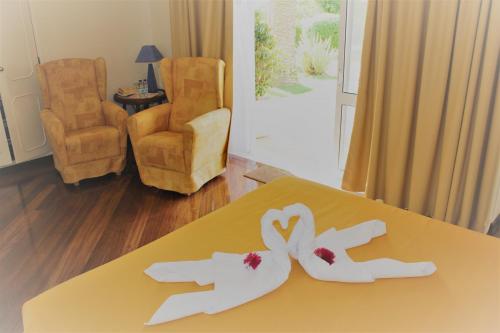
x=462, y=296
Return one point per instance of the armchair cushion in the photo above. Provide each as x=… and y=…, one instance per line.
x=162, y=150
x=93, y=143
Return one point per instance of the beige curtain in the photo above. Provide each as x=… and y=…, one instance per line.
x=426, y=133
x=204, y=28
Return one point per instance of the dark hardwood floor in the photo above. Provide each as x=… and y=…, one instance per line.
x=51, y=232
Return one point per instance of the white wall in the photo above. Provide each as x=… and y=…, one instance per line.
x=160, y=26
x=160, y=30
x=114, y=30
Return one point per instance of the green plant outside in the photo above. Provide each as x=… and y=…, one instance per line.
x=276, y=93
x=317, y=56
x=298, y=35
x=326, y=30
x=307, y=8
x=294, y=88
x=266, y=58
x=329, y=6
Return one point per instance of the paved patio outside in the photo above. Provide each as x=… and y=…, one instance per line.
x=296, y=132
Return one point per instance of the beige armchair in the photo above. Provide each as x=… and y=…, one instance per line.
x=181, y=145
x=88, y=134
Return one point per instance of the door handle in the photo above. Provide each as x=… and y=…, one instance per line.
x=1, y=68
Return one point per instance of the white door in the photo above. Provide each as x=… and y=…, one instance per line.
x=352, y=25
x=18, y=82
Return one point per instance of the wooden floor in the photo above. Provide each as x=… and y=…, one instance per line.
x=50, y=232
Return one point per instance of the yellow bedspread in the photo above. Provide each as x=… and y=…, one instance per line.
x=463, y=295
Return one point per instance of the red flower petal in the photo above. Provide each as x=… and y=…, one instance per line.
x=325, y=254
x=252, y=260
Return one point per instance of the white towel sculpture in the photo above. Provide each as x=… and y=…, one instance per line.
x=237, y=278
x=240, y=278
x=325, y=257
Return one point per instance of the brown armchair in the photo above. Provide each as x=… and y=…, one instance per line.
x=181, y=145
x=88, y=134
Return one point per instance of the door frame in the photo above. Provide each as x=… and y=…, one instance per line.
x=343, y=98
x=242, y=133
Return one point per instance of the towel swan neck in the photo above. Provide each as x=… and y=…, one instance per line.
x=304, y=232
x=271, y=237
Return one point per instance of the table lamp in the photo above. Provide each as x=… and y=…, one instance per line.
x=150, y=54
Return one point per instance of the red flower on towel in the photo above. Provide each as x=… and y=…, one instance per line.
x=325, y=254
x=252, y=260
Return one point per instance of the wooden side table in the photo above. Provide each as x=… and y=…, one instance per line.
x=141, y=102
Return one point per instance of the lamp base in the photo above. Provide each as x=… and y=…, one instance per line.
x=152, y=86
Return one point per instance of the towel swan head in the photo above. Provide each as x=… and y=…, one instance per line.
x=271, y=237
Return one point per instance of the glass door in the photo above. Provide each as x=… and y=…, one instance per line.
x=352, y=25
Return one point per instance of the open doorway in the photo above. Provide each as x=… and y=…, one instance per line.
x=297, y=116
x=296, y=46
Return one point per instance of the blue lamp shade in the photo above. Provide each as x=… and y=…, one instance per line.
x=149, y=54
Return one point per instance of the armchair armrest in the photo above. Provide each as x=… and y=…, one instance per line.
x=149, y=121
x=56, y=135
x=205, y=138
x=117, y=117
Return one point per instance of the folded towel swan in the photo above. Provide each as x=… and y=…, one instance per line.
x=325, y=258
x=237, y=278
x=240, y=278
